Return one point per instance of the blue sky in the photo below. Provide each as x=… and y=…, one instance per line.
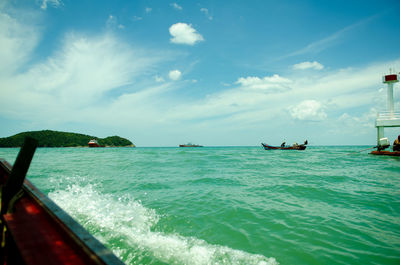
x=163, y=73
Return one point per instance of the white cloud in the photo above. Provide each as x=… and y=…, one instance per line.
x=83, y=70
x=159, y=79
x=112, y=22
x=148, y=9
x=17, y=42
x=308, y=65
x=183, y=33
x=331, y=40
x=366, y=120
x=176, y=6
x=308, y=110
x=204, y=10
x=54, y=3
x=359, y=125
x=175, y=75
x=206, y=13
x=71, y=82
x=273, y=83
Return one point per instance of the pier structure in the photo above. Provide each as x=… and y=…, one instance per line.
x=388, y=118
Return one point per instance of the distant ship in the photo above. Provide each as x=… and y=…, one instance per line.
x=190, y=145
x=93, y=143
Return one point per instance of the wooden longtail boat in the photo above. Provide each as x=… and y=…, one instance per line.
x=386, y=153
x=34, y=230
x=294, y=147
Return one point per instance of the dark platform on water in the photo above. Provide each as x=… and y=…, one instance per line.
x=386, y=153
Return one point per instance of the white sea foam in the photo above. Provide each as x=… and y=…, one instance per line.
x=124, y=225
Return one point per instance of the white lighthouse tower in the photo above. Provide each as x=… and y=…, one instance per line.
x=388, y=118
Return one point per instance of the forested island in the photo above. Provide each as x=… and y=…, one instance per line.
x=48, y=138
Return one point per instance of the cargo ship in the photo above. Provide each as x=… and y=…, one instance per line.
x=190, y=145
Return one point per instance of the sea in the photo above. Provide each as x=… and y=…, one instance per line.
x=229, y=205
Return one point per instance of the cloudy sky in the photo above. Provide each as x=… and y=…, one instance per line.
x=215, y=73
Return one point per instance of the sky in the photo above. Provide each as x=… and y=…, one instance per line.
x=216, y=73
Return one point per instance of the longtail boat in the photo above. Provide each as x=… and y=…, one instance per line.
x=386, y=153
x=293, y=147
x=34, y=230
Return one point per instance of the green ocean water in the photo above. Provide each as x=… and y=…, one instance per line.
x=229, y=205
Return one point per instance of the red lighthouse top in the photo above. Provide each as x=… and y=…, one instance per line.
x=391, y=78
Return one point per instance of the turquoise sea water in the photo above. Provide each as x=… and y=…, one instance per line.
x=229, y=205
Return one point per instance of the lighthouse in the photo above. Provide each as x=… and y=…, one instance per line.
x=388, y=118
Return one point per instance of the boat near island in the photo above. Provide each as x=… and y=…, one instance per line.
x=94, y=143
x=190, y=145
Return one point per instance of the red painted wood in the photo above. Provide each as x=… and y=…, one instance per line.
x=386, y=153
x=37, y=239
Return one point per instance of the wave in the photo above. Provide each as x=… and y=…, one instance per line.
x=125, y=226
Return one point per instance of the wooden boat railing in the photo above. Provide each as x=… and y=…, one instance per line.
x=34, y=230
